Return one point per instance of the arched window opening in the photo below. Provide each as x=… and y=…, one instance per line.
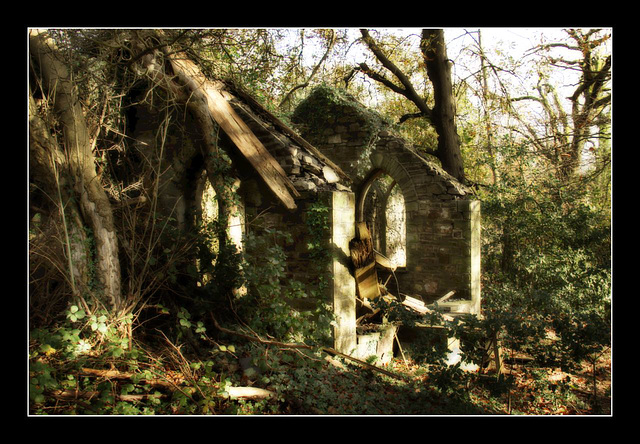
x=209, y=210
x=396, y=234
x=385, y=214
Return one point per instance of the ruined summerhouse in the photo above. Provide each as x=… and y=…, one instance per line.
x=347, y=159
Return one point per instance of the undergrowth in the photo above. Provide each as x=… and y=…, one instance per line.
x=85, y=367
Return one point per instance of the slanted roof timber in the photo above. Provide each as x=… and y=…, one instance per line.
x=261, y=113
x=217, y=103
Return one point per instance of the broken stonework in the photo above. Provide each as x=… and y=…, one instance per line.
x=441, y=218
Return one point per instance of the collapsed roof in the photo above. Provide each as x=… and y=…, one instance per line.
x=305, y=166
x=252, y=129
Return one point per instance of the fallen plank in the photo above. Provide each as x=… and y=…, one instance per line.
x=249, y=393
x=367, y=281
x=416, y=305
x=363, y=258
x=445, y=297
x=237, y=130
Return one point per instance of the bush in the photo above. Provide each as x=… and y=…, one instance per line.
x=547, y=276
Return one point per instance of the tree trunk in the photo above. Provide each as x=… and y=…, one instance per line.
x=94, y=204
x=45, y=164
x=443, y=114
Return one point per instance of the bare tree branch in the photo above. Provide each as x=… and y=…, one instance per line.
x=408, y=90
x=287, y=97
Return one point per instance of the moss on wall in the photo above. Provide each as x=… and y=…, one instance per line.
x=327, y=105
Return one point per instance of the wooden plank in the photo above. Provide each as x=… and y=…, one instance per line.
x=415, y=304
x=252, y=149
x=362, y=231
x=445, y=297
x=367, y=281
x=384, y=262
x=291, y=133
x=238, y=131
x=363, y=258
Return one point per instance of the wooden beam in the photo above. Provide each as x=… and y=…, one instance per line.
x=287, y=130
x=232, y=124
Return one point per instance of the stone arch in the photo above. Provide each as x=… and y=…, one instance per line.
x=442, y=216
x=389, y=233
x=384, y=163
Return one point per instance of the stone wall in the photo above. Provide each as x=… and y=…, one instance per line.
x=316, y=257
x=442, y=219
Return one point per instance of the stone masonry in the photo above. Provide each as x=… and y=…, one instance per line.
x=442, y=218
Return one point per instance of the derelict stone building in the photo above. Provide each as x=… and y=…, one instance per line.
x=421, y=218
x=346, y=160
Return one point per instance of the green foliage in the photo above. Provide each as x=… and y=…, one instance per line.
x=326, y=105
x=317, y=222
x=269, y=305
x=547, y=275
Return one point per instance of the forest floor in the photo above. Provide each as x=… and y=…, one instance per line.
x=527, y=390
x=305, y=384
x=344, y=388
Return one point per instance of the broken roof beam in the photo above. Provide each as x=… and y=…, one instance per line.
x=286, y=129
x=237, y=130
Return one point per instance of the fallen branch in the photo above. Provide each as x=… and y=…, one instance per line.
x=304, y=346
x=72, y=395
x=362, y=363
x=257, y=338
x=69, y=395
x=249, y=393
x=116, y=374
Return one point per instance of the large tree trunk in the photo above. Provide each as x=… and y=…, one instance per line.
x=57, y=209
x=94, y=204
x=443, y=114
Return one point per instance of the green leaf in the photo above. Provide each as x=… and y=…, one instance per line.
x=126, y=389
x=44, y=348
x=117, y=352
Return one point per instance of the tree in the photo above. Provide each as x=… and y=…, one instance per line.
x=442, y=114
x=73, y=155
x=564, y=134
x=331, y=37
x=544, y=191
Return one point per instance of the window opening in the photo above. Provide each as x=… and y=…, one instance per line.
x=385, y=214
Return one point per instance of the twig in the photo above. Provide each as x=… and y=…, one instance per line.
x=259, y=339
